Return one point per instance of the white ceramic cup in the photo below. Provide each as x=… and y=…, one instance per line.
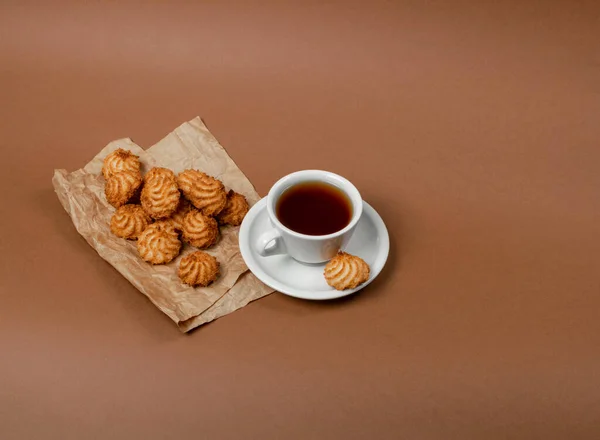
x=307, y=248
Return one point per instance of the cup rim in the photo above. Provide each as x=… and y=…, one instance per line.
x=348, y=189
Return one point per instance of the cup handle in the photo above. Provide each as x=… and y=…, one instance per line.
x=272, y=236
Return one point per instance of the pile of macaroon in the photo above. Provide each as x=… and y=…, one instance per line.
x=161, y=210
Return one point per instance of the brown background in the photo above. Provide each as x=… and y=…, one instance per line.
x=472, y=127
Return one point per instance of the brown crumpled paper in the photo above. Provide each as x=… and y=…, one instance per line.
x=190, y=146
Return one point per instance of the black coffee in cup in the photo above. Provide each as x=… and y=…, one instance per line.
x=314, y=208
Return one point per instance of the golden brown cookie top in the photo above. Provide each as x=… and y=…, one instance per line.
x=160, y=194
x=198, y=269
x=177, y=217
x=165, y=225
x=346, y=271
x=159, y=173
x=205, y=192
x=235, y=209
x=120, y=160
x=159, y=243
x=199, y=230
x=129, y=221
x=121, y=187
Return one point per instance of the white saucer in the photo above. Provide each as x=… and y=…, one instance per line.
x=370, y=241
